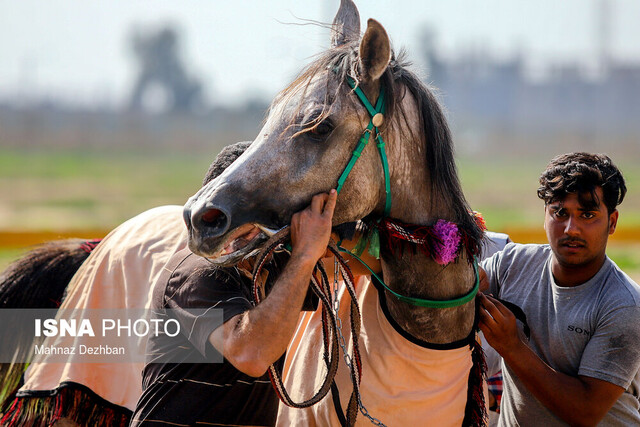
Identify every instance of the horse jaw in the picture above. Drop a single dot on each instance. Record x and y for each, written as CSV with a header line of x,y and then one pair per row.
x,y
238,244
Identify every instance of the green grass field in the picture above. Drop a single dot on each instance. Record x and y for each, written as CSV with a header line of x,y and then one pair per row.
x,y
76,190
60,189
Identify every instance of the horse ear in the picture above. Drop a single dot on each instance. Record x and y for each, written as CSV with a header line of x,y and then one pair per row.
x,y
346,24
375,51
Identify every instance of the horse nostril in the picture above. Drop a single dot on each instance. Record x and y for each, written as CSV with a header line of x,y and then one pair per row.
x,y
214,218
210,221
186,216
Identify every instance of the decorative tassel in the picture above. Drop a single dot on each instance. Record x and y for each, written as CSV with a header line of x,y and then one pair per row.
x,y
443,240
479,219
374,243
448,242
362,243
72,401
475,412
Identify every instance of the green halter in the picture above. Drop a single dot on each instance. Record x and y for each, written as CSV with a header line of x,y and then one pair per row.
x,y
377,118
422,302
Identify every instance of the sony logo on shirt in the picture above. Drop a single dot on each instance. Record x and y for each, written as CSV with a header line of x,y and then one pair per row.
x,y
578,330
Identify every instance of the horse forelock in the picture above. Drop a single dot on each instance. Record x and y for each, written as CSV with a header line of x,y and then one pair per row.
x,y
339,62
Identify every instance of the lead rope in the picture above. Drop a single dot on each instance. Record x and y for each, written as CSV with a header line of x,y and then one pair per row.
x,y
329,327
343,344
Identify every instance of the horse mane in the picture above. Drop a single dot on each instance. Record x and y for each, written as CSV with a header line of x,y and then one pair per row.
x,y
440,153
342,61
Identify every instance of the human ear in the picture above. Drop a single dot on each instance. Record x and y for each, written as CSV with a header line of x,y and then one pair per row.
x,y
613,221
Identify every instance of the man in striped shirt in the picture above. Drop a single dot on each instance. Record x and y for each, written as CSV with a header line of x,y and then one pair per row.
x,y
185,380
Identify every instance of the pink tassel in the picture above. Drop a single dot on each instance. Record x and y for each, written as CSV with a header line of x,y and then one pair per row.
x,y
449,242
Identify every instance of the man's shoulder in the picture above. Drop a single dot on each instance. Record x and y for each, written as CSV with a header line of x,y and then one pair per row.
x,y
188,278
528,248
181,265
513,269
185,261
620,286
493,242
520,255
194,272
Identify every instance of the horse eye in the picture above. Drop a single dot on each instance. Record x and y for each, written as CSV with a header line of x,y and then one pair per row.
x,y
321,131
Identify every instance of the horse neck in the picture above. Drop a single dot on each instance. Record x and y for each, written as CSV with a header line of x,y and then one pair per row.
x,y
418,275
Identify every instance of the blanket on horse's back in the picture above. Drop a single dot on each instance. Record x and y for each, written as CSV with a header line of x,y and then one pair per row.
x,y
118,274
403,383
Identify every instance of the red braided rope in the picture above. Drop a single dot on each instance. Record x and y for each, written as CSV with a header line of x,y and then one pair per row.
x,y
324,296
90,245
398,235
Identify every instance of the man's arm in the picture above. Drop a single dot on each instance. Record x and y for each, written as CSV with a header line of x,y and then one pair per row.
x,y
577,400
255,339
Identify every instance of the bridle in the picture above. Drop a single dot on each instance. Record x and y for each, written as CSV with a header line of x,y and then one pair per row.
x,y
320,284
376,119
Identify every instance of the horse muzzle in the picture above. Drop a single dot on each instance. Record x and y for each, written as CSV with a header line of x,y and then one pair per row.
x,y
212,235
207,225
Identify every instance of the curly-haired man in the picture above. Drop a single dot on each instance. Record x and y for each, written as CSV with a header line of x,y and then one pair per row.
x,y
581,363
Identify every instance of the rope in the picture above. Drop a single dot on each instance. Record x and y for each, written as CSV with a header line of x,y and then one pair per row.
x,y
329,330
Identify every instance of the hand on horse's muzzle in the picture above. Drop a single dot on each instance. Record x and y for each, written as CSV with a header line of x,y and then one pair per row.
x,y
311,227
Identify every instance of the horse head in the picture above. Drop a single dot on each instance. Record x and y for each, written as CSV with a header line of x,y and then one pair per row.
x,y
309,134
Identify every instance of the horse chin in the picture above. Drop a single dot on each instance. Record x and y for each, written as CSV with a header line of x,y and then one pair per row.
x,y
233,258
242,242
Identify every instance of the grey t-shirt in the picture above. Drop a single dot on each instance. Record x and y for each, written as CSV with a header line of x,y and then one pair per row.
x,y
591,330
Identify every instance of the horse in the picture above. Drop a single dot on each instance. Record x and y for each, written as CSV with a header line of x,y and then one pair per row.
x,y
117,271
308,137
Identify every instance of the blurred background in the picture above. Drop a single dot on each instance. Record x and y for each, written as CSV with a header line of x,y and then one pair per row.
x,y
110,108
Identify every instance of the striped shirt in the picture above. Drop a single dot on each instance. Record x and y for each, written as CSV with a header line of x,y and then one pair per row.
x,y
206,390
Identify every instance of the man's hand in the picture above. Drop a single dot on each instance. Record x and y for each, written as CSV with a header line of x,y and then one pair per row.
x,y
311,228
498,324
578,400
255,339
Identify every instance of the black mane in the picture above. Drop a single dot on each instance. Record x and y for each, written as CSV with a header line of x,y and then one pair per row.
x,y
445,184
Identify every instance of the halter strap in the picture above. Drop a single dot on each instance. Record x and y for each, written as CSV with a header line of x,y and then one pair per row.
x,y
420,302
376,112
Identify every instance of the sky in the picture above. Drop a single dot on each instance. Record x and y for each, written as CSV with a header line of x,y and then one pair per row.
x,y
76,50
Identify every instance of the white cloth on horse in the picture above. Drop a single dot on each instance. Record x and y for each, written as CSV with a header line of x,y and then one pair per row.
x,y
119,273
402,383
